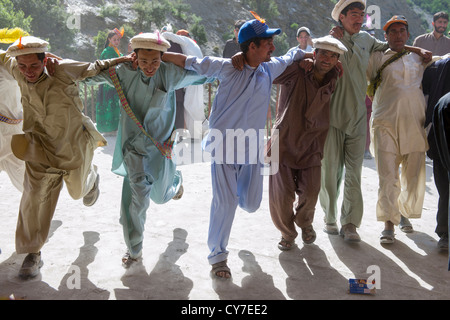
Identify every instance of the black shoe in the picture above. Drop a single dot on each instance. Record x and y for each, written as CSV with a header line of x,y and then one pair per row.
x,y
443,243
31,265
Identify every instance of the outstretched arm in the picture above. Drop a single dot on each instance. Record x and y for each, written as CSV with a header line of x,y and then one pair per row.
x,y
177,59
425,54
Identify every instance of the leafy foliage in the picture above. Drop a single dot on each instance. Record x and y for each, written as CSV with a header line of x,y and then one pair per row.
x,y
10,18
48,20
433,6
266,9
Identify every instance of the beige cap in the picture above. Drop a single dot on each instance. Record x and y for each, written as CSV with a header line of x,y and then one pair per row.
x,y
341,5
27,45
306,29
329,43
153,41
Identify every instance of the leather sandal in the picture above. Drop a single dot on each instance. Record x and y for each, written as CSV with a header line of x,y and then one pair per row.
x,y
221,267
285,245
308,235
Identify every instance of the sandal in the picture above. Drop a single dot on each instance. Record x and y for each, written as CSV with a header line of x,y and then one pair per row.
x,y
285,245
308,235
221,267
405,225
387,237
179,194
127,260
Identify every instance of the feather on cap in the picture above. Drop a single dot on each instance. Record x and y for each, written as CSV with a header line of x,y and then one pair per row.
x,y
27,45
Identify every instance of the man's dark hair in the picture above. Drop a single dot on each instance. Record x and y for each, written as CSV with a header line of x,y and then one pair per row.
x,y
245,45
407,27
351,6
440,15
41,56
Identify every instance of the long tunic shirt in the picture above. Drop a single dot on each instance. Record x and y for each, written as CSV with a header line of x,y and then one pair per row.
x,y
348,109
241,104
304,116
428,41
54,122
152,100
399,104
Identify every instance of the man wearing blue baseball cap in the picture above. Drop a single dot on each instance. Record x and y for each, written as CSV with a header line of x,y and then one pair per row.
x,y
239,109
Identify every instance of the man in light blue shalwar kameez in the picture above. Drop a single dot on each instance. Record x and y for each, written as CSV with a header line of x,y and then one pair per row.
x,y
239,109
148,174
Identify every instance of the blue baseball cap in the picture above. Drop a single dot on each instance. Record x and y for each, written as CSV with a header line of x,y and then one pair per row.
x,y
256,29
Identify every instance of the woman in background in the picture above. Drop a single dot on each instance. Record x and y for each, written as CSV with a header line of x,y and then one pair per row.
x,y
108,103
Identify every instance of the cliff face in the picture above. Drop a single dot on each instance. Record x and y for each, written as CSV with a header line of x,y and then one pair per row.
x,y
218,17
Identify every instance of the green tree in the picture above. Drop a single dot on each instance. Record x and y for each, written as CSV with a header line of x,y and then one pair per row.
x,y
11,18
151,14
49,21
180,9
433,6
266,9
281,44
198,31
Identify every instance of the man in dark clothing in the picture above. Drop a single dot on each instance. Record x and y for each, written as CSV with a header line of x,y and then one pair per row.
x,y
441,126
436,83
232,46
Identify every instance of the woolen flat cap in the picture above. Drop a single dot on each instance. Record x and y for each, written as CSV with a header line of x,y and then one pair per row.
x,y
306,29
151,41
27,45
331,44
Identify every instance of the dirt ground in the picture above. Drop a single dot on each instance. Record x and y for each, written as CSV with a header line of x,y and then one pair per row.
x,y
82,257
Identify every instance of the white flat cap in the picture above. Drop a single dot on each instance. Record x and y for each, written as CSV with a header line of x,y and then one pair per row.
x,y
27,45
341,5
306,29
153,41
329,43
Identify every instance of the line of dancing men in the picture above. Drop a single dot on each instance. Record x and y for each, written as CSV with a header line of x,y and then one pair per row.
x,y
320,130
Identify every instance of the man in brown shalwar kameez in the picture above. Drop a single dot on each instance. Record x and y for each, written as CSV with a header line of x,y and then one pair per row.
x,y
302,124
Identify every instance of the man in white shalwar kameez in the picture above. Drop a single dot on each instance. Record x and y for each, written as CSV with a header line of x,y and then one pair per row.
x,y
10,124
397,128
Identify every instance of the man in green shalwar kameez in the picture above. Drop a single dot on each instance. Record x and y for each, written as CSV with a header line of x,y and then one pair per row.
x,y
148,174
345,145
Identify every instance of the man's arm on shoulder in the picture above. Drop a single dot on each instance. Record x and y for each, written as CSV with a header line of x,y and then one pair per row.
x,y
79,71
426,55
177,59
210,67
277,65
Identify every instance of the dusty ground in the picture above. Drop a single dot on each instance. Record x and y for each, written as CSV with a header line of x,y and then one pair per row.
x,y
82,258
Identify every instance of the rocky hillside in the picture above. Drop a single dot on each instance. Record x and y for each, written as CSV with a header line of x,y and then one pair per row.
x,y
218,17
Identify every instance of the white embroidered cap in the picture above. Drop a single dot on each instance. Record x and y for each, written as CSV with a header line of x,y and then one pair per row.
x,y
153,41
27,45
329,43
